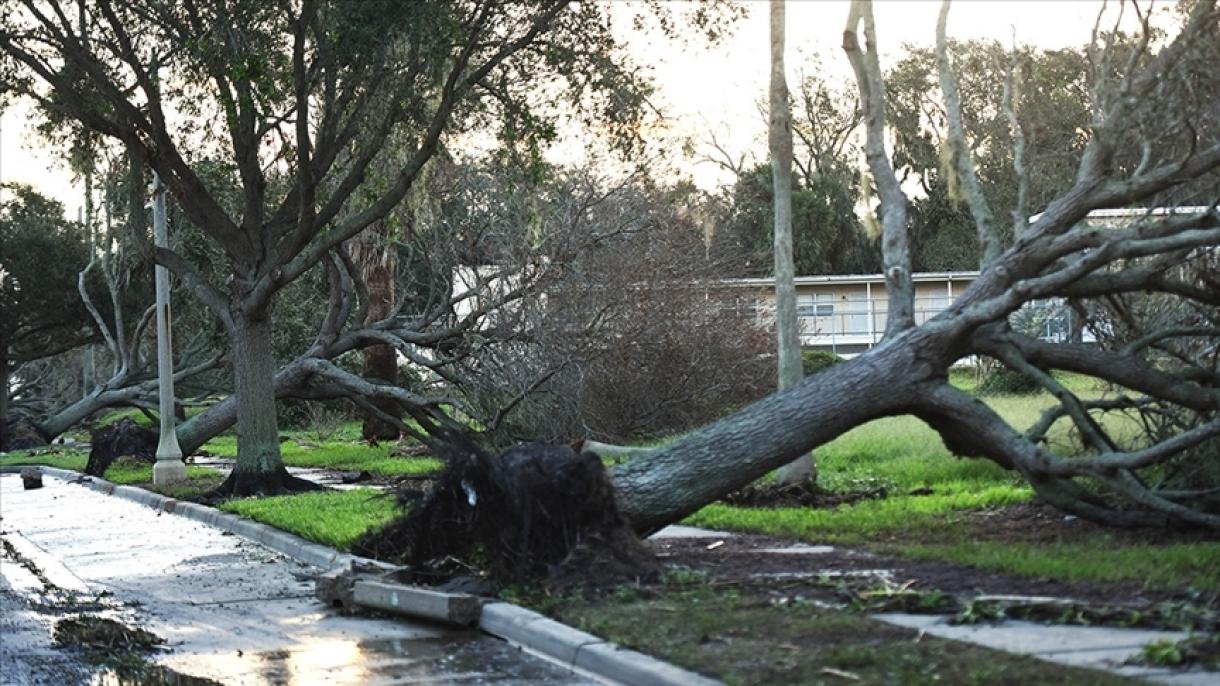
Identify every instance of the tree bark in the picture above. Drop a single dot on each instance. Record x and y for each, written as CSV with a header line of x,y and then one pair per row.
x,y
665,485
258,443
223,415
380,361
4,384
787,326
259,469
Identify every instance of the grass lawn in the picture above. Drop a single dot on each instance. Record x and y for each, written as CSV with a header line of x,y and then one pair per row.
x,y
342,452
333,518
124,471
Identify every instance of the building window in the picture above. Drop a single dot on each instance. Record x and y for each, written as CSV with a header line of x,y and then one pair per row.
x,y
815,305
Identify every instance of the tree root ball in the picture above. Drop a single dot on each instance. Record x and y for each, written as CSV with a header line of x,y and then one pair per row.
x,y
536,512
121,439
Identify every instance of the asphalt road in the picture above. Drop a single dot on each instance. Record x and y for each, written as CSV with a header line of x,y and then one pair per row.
x,y
230,610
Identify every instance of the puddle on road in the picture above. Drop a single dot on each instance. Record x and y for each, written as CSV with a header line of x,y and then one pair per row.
x,y
150,675
472,658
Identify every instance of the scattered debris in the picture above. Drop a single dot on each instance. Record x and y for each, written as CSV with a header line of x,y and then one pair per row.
x,y
355,477
1202,650
1163,615
831,671
798,495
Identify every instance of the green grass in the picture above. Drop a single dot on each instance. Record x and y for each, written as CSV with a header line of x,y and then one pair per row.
x,y
74,460
332,518
339,452
123,472
859,523
1182,565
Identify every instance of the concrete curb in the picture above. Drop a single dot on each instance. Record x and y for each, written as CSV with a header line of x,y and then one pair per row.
x,y
569,647
580,651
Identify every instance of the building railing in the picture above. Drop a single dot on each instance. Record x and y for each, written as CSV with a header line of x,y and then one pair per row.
x,y
859,324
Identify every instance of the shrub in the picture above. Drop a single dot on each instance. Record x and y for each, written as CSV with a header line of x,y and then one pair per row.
x,y
814,361
1005,381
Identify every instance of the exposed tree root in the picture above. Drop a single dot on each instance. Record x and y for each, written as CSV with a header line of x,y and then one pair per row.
x,y
17,432
536,512
123,438
242,484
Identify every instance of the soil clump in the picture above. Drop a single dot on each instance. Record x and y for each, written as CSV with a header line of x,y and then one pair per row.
x,y
123,438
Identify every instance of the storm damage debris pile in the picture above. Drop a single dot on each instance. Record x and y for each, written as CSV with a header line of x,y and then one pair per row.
x,y
537,512
123,438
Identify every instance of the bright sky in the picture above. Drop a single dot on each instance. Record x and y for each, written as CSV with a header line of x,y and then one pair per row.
x,y
719,90
715,90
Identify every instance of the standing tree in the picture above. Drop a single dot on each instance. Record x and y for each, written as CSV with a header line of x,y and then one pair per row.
x,y
41,253
298,99
787,326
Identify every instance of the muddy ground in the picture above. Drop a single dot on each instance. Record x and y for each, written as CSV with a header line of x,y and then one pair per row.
x,y
750,561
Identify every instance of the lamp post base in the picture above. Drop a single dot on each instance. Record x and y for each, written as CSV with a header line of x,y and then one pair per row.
x,y
168,471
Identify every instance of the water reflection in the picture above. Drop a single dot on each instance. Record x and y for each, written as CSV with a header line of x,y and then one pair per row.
x,y
149,675
463,658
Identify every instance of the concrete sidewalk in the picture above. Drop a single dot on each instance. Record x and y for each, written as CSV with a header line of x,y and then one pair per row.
x,y
230,609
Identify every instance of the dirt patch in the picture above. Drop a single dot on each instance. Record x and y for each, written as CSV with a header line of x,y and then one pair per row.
x,y
744,561
797,495
1037,523
743,637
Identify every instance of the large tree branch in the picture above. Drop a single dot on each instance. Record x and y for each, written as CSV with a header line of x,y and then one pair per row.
x,y
1127,371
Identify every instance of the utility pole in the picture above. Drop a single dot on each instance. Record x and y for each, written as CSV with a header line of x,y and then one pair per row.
x,y
169,467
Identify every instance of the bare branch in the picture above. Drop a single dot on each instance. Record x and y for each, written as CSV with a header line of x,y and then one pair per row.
x,y
989,236
896,252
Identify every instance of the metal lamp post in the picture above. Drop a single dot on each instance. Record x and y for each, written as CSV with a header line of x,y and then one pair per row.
x,y
169,467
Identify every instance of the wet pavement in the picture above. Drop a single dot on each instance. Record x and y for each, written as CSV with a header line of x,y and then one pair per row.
x,y
230,610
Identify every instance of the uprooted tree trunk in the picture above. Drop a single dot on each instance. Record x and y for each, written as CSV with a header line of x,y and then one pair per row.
x,y
1060,254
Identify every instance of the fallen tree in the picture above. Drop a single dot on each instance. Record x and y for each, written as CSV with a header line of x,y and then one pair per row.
x,y
1142,102
1164,366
